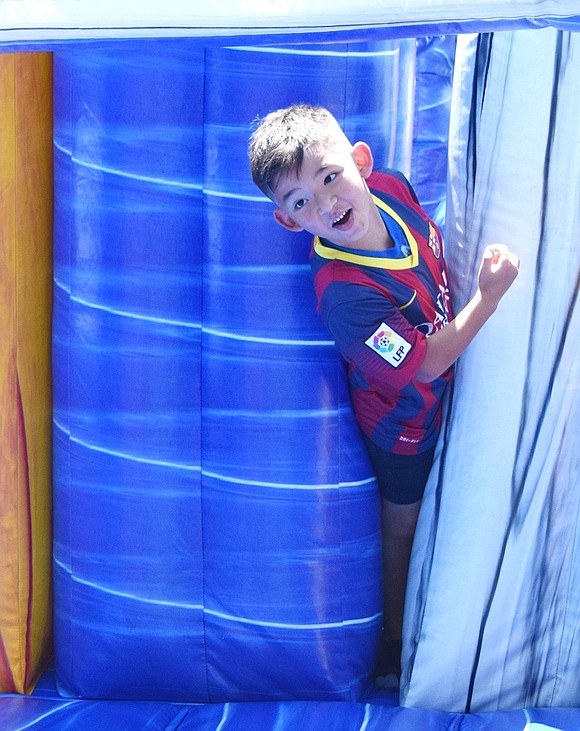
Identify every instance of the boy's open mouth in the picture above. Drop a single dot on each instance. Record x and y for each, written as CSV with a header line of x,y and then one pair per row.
x,y
342,219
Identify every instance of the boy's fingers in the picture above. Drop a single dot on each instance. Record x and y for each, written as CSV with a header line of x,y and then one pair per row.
x,y
515,260
498,253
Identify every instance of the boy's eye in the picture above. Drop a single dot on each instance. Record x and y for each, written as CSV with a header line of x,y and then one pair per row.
x,y
299,204
329,178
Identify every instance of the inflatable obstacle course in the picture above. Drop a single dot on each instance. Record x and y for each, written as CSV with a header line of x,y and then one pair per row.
x,y
215,537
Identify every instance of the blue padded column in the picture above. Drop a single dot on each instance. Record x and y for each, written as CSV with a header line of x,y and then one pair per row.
x,y
187,343
128,229
433,87
291,513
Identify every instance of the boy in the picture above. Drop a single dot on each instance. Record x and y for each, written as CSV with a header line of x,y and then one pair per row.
x,y
381,284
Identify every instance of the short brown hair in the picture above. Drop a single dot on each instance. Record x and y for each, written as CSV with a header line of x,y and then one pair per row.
x,y
279,142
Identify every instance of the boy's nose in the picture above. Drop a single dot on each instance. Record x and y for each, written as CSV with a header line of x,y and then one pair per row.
x,y
325,203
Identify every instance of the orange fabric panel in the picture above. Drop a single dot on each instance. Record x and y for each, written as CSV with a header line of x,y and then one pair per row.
x,y
25,388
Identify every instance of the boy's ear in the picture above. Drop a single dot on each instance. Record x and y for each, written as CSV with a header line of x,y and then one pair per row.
x,y
286,221
363,158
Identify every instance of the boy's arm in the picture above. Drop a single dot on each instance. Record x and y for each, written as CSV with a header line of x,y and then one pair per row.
x,y
498,270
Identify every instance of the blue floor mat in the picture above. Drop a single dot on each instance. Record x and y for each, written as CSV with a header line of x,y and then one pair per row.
x,y
46,710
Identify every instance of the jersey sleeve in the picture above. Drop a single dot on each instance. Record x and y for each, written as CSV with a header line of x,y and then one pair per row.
x,y
399,185
374,337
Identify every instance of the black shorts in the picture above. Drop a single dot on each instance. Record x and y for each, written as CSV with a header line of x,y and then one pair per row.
x,y
401,477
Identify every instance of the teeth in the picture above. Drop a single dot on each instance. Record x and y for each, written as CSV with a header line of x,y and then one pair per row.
x,y
339,219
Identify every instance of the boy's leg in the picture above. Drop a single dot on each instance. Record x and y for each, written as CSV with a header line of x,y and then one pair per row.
x,y
398,527
401,480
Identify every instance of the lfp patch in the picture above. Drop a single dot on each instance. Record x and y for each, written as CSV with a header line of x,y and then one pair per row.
x,y
391,346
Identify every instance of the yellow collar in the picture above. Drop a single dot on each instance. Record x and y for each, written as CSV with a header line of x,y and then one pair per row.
x,y
407,262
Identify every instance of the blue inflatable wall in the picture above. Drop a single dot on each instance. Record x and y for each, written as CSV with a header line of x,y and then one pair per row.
x,y
216,521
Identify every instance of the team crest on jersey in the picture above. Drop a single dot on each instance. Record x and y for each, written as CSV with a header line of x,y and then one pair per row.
x,y
391,346
434,244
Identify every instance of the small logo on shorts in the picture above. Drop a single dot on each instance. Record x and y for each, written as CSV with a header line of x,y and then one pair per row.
x,y
391,346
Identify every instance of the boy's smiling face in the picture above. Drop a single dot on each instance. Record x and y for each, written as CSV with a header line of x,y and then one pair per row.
x,y
329,198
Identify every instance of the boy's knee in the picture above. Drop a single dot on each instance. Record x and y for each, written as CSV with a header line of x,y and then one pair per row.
x,y
400,521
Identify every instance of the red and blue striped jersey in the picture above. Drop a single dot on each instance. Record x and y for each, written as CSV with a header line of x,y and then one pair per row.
x,y
380,308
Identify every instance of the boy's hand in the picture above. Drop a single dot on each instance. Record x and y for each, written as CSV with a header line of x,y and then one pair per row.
x,y
498,270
